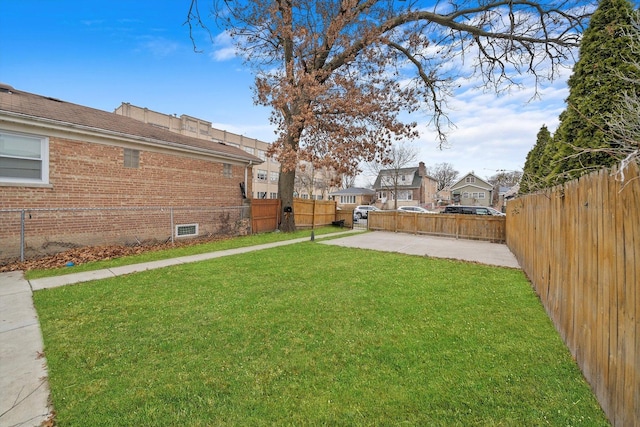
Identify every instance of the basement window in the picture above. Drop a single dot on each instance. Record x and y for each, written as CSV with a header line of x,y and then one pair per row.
x,y
186,230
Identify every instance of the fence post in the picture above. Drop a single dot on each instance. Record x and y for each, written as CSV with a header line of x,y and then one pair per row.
x,y
22,235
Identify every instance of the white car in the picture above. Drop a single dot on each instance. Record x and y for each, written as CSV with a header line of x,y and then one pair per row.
x,y
363,211
496,212
414,209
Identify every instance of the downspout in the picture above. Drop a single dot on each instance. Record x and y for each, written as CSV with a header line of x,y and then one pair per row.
x,y
246,187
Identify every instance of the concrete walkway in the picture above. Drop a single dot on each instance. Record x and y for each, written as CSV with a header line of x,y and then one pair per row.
x,y
24,390
497,254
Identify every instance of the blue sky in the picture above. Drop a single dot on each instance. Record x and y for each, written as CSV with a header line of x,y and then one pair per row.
x,y
102,53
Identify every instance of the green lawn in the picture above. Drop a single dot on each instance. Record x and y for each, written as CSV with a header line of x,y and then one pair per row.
x,y
310,334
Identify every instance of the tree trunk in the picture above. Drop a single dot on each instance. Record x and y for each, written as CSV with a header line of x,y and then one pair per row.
x,y
285,191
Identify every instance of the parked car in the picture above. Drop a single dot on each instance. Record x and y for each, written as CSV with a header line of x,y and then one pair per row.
x,y
496,212
472,210
363,211
414,209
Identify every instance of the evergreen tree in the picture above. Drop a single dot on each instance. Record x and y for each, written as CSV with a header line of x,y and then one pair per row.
x,y
581,142
536,168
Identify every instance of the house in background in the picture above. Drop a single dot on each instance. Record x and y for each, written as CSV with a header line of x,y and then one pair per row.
x,y
349,198
406,186
472,190
82,176
444,196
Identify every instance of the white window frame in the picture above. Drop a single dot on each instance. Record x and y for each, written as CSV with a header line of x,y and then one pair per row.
x,y
273,176
347,200
44,159
261,175
186,226
405,195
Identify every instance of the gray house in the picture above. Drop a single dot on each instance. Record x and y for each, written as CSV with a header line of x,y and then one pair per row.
x,y
472,190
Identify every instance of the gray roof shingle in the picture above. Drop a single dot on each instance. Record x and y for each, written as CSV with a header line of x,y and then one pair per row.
x,y
31,106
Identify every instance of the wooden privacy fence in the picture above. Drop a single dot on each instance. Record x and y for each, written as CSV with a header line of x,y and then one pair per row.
x,y
479,227
313,213
580,246
265,214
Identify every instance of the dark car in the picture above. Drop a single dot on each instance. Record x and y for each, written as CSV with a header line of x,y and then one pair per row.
x,y
471,210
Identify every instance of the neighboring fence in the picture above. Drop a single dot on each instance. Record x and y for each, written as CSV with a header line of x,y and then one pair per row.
x,y
478,227
347,217
32,233
580,246
265,213
313,213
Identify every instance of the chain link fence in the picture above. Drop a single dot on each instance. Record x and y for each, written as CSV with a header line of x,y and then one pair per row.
x,y
33,233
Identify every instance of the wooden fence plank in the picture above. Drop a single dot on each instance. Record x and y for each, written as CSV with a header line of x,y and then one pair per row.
x,y
629,321
478,227
580,245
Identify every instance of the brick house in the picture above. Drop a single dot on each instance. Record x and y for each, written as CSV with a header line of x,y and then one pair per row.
x,y
409,186
59,159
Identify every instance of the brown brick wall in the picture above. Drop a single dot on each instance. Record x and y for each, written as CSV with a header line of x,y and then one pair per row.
x,y
85,174
88,180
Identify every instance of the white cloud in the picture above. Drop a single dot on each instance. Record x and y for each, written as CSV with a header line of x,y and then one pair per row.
x,y
158,46
224,48
494,132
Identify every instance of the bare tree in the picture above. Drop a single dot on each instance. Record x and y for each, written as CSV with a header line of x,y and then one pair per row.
x,y
314,181
503,178
347,180
391,169
624,122
444,173
339,73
